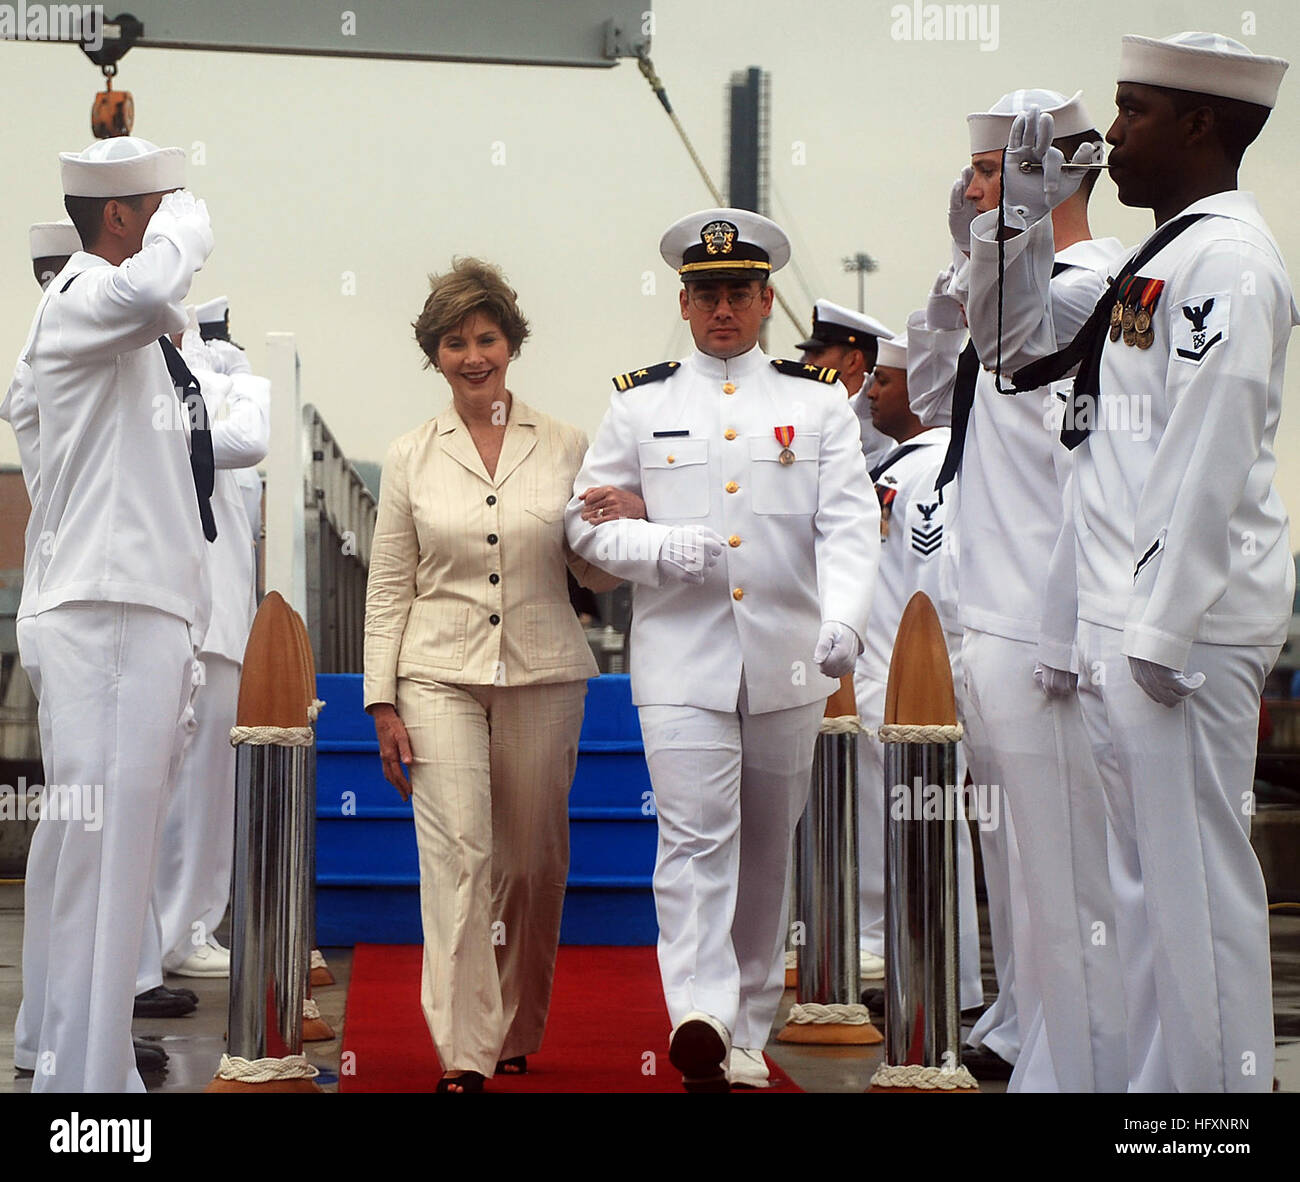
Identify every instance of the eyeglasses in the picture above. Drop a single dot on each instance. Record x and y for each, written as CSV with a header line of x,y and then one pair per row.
x,y
707,300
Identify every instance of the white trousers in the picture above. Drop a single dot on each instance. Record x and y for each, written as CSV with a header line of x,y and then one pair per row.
x,y
192,883
870,695
1067,964
1191,904
116,685
729,789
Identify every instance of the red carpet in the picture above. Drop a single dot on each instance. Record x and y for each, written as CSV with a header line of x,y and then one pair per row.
x,y
608,1029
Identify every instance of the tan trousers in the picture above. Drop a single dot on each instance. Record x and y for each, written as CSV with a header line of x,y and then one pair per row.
x,y
490,778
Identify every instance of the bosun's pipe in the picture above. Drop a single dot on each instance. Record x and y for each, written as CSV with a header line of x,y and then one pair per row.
x,y
922,1018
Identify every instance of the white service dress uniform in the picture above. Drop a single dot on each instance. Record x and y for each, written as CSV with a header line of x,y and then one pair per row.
x,y
1179,547
722,672
913,527
121,591
122,601
192,884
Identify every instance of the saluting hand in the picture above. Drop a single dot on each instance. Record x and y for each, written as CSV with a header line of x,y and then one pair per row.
x,y
394,748
961,210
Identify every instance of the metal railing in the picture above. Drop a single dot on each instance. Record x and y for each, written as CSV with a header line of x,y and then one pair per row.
x,y
339,527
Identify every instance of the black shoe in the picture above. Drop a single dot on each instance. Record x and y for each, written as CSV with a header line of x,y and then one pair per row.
x,y
874,1000
148,1058
985,1064
161,1002
194,997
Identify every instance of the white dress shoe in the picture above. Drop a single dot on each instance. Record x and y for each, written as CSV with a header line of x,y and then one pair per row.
x,y
870,966
699,1048
748,1069
207,960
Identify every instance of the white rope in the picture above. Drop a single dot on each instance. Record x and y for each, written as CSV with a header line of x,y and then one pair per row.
x,y
317,960
835,1014
265,1070
309,1008
272,736
901,732
791,959
846,724
313,711
913,1075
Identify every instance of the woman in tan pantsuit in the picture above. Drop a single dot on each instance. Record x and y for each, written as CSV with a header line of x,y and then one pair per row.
x,y
476,670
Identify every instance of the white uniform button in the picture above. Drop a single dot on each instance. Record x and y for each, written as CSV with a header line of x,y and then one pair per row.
x,y
734,540
729,433
728,387
732,486
738,593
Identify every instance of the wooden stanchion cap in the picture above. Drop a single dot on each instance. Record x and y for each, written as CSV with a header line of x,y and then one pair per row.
x,y
842,703
275,688
919,691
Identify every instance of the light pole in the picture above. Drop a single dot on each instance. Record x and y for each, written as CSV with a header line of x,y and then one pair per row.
x,y
862,263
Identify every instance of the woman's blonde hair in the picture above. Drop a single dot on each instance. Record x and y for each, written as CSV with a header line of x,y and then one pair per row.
x,y
471,286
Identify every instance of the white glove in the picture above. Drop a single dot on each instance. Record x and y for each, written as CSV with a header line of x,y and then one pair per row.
x,y
183,218
1032,195
961,210
1055,683
1162,684
688,552
837,648
942,312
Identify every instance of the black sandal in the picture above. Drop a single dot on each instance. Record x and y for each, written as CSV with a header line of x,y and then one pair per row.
x,y
516,1066
468,1081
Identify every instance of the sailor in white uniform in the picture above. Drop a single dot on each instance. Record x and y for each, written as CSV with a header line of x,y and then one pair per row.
x,y
913,524
754,572
845,341
192,885
1176,541
121,595
1067,987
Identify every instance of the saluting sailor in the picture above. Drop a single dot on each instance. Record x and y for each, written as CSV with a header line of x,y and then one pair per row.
x,y
846,341
122,599
1064,971
754,570
914,524
1176,542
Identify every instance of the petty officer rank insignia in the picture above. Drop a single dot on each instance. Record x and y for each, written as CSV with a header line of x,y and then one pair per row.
x,y
1199,325
927,535
1131,316
642,377
814,373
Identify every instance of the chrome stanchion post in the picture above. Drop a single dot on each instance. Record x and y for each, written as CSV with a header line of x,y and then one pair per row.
x,y
920,733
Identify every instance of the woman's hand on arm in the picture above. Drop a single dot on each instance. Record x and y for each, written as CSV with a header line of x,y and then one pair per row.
x,y
394,747
606,503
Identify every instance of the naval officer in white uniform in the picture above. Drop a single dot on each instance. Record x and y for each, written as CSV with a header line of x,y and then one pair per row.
x,y
753,572
1176,542
122,598
846,341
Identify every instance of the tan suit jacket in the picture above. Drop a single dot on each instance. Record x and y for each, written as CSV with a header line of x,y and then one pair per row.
x,y
467,581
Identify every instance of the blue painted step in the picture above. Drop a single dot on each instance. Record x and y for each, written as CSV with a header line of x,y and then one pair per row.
x,y
367,874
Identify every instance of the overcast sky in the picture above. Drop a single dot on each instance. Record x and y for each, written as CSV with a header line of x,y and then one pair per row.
x,y
336,186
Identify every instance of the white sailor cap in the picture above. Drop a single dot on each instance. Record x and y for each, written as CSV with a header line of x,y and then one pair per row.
x,y
213,312
725,244
124,166
833,324
989,130
54,240
892,353
1205,63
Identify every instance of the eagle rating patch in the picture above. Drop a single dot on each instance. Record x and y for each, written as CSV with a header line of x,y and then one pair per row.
x,y
927,535
1200,325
